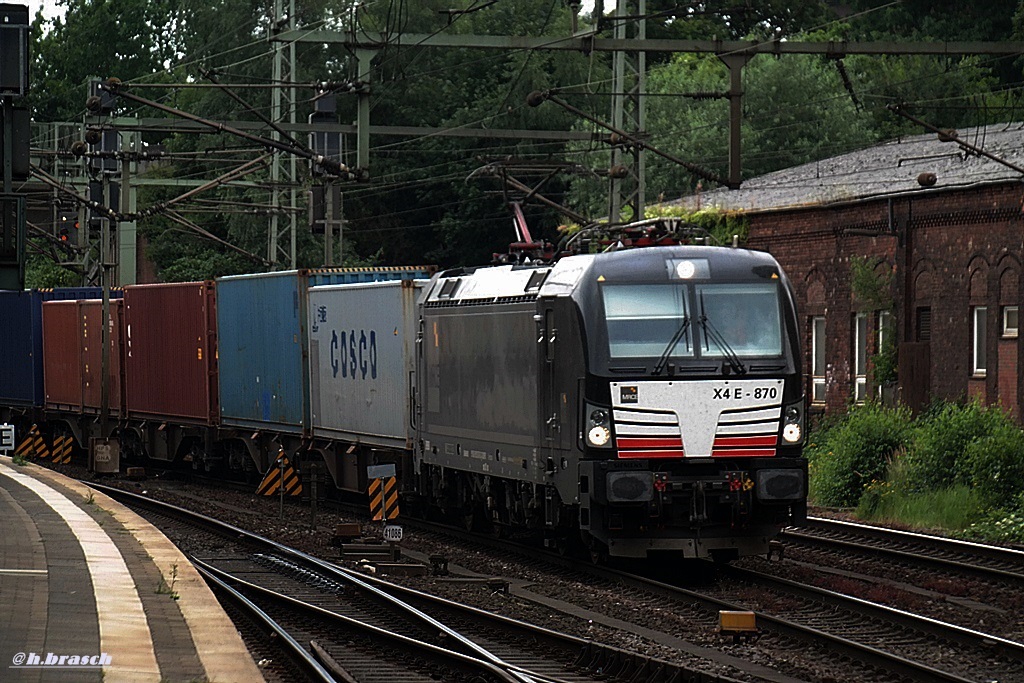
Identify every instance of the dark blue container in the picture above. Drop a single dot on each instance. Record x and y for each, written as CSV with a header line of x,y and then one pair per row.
x,y
21,340
264,378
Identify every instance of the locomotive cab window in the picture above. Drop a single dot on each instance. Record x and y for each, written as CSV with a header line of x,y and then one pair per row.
x,y
643,319
741,318
654,321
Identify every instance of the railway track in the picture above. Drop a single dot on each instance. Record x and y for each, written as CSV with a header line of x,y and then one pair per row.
x,y
935,552
975,586
802,639
877,642
915,646
360,629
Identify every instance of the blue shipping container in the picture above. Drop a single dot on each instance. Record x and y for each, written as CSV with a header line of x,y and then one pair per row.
x,y
261,322
21,340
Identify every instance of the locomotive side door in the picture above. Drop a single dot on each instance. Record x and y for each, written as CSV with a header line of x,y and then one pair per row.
x,y
560,347
547,339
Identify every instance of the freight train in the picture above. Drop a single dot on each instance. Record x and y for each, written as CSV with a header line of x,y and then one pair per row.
x,y
632,403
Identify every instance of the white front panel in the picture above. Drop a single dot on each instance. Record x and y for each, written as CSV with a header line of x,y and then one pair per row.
x,y
720,418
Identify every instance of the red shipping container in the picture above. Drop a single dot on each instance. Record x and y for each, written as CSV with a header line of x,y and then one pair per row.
x,y
91,318
171,352
62,356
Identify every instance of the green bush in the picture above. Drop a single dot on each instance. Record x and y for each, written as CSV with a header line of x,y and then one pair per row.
x,y
855,452
937,457
996,463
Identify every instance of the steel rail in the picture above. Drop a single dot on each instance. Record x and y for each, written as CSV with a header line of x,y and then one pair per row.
x,y
309,560
592,656
369,629
923,545
934,627
286,642
860,652
994,552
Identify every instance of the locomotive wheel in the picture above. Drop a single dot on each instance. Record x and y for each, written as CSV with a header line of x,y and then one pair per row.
x,y
598,552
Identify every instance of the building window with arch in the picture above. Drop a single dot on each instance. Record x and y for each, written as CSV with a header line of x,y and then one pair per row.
x,y
818,359
860,357
979,324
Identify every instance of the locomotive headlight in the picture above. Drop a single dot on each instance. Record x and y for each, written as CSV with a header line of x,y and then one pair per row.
x,y
793,430
791,433
599,436
685,270
688,268
598,427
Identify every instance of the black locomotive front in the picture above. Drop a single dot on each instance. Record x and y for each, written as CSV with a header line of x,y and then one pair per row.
x,y
691,420
614,397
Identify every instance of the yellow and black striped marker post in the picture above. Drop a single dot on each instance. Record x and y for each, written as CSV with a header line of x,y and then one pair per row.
x,y
281,471
62,450
33,445
383,492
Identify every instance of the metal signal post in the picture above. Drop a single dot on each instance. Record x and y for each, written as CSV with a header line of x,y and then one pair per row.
x,y
14,25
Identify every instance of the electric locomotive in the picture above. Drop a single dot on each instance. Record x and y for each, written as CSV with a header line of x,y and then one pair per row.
x,y
641,401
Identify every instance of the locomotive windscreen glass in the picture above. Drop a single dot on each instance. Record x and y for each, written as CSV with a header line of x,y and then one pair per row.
x,y
743,316
643,319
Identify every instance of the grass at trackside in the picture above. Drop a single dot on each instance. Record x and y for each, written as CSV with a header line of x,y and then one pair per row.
x,y
952,510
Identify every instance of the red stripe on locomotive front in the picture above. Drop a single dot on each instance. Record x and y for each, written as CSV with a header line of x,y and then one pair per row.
x,y
649,442
743,452
748,441
651,454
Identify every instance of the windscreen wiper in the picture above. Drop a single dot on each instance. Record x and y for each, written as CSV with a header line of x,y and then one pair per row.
x,y
672,343
712,333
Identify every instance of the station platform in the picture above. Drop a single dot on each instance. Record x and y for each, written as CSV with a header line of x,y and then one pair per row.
x,y
90,591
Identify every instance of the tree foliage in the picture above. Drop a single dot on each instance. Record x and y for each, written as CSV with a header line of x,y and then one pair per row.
x,y
95,38
440,199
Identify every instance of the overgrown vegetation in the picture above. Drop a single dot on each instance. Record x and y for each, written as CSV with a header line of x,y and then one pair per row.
x,y
167,588
871,282
719,224
958,466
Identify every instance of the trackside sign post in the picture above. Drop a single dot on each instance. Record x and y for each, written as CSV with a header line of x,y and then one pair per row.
x,y
383,493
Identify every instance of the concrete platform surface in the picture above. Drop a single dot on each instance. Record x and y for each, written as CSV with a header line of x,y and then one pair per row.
x,y
90,591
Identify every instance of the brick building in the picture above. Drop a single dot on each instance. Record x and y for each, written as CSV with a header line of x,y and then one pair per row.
x,y
913,249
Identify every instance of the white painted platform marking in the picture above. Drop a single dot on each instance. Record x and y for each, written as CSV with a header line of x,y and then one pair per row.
x,y
124,631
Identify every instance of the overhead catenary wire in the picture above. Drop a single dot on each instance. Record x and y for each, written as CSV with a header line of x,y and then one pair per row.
x,y
411,141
